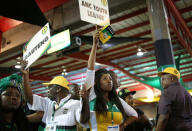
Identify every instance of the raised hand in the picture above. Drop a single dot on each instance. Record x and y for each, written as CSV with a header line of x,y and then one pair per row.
x,y
96,35
83,93
23,65
27,89
85,112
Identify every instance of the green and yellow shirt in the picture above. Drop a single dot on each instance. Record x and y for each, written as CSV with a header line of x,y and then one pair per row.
x,y
100,122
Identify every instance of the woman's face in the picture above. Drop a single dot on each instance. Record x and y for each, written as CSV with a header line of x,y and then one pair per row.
x,y
10,99
116,80
106,82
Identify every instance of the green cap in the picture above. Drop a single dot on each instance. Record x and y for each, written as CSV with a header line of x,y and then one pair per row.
x,y
125,92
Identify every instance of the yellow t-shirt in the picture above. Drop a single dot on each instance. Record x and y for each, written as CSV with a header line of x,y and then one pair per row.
x,y
100,122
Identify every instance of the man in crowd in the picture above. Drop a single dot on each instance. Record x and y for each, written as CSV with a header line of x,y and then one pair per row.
x,y
74,91
142,123
175,105
60,111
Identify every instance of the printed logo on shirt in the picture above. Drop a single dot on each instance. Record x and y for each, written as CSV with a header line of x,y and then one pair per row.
x,y
65,111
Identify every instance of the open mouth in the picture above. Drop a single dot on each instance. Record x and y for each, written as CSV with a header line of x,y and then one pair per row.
x,y
13,103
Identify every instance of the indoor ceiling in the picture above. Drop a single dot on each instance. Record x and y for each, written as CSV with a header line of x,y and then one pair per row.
x,y
129,19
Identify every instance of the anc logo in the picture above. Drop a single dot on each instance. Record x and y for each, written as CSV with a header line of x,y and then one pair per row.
x,y
44,30
120,93
176,72
104,2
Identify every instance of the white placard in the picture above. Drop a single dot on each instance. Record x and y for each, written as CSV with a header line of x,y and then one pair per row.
x,y
37,46
94,11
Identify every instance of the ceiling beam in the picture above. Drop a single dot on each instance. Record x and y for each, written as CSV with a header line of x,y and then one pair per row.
x,y
136,69
83,57
44,78
126,46
55,69
178,16
182,41
7,23
0,40
49,62
46,5
39,77
136,35
138,60
102,61
127,53
10,58
138,25
147,61
187,79
155,73
153,70
80,66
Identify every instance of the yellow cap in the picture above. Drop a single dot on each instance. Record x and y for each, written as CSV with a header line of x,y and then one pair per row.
x,y
170,70
58,80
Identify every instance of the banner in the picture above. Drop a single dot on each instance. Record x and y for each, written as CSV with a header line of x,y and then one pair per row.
x,y
60,41
94,11
37,46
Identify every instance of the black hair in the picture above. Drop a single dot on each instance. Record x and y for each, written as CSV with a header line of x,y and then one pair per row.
x,y
112,73
114,78
101,104
19,118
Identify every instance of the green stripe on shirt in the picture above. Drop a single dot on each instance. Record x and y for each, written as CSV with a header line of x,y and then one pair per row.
x,y
109,104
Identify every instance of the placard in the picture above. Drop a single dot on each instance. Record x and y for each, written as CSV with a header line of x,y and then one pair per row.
x,y
94,11
37,46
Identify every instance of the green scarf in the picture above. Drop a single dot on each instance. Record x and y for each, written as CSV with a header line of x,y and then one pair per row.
x,y
13,80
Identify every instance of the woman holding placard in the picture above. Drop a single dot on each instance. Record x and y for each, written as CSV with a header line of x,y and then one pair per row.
x,y
107,110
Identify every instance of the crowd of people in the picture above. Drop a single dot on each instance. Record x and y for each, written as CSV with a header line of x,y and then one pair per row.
x,y
95,106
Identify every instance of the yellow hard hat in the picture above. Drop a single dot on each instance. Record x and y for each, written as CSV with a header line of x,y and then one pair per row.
x,y
58,80
170,70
